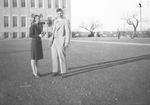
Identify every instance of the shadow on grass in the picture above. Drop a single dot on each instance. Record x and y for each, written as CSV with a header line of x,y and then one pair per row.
x,y
45,74
97,66
19,51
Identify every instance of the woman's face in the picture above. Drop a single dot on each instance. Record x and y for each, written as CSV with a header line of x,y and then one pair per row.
x,y
37,19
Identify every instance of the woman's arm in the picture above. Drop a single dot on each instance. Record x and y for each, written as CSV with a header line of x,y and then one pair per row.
x,y
32,32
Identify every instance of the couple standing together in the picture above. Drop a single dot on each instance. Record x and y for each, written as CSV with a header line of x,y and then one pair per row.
x,y
58,42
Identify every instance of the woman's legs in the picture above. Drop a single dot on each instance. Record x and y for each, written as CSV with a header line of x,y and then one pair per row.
x,y
33,67
34,64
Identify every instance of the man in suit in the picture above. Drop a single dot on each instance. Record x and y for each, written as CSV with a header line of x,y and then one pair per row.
x,y
59,41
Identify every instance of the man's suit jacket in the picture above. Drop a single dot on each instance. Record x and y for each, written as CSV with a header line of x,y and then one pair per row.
x,y
61,32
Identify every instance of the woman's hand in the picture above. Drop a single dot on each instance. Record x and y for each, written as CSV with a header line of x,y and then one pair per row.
x,y
43,33
40,35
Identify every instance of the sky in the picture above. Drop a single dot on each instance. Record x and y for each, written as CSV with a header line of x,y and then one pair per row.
x,y
108,13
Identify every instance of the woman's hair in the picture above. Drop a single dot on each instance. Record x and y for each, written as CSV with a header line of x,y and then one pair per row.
x,y
35,17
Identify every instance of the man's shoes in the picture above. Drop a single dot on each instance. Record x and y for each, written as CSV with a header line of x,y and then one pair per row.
x,y
55,73
58,74
62,75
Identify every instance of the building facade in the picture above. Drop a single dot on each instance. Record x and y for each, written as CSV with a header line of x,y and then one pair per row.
x,y
15,15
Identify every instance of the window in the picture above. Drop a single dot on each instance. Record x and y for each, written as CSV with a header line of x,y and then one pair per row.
x,y
32,3
23,21
40,3
6,21
64,3
6,34
49,21
14,3
49,34
49,2
23,34
56,3
14,21
14,34
5,3
23,3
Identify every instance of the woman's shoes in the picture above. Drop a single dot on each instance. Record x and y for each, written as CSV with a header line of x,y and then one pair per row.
x,y
36,75
52,74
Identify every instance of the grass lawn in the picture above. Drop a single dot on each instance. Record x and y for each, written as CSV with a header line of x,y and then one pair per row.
x,y
98,74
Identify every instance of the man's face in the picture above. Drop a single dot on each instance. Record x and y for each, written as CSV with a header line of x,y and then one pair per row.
x,y
60,14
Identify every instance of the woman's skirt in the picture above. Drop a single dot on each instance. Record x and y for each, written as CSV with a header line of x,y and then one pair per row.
x,y
36,49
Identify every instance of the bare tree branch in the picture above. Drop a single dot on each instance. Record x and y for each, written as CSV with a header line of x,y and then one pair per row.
x,y
133,21
91,27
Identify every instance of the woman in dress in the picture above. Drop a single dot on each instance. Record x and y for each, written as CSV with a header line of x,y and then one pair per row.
x,y
36,32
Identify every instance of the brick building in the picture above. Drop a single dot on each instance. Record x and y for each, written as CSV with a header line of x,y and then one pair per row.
x,y
15,15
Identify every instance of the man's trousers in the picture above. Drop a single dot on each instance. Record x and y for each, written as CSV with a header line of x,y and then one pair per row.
x,y
58,58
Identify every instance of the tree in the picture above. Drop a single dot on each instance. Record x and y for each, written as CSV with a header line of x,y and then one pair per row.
x,y
91,27
133,21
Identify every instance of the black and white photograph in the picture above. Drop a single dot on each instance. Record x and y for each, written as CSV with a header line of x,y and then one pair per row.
x,y
74,52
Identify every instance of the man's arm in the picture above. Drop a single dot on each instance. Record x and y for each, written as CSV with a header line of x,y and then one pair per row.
x,y
52,37
68,32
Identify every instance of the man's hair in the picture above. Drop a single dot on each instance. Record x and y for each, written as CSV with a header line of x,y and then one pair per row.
x,y
59,9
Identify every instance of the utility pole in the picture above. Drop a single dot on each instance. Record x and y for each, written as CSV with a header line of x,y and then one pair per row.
x,y
140,5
